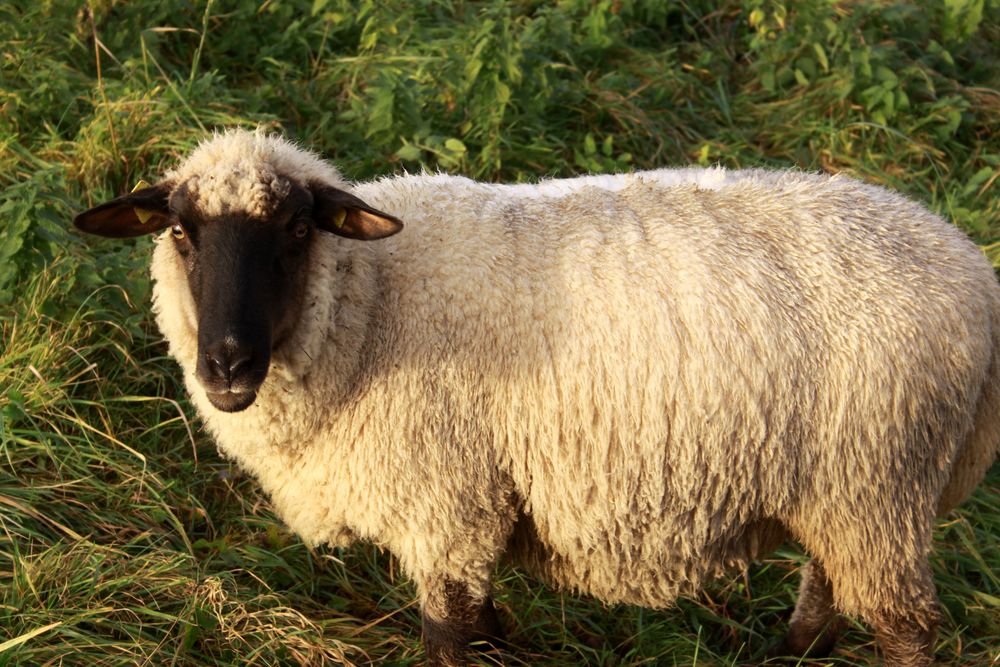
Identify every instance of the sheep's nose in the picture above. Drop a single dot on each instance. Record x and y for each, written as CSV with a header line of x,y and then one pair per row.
x,y
228,360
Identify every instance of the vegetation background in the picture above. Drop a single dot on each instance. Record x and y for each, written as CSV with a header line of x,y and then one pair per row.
x,y
125,539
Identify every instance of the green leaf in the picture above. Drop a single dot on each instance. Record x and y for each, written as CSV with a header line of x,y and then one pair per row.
x,y
986,598
409,152
889,103
472,68
454,145
703,154
832,30
886,76
821,56
977,180
502,92
936,49
954,120
369,36
871,96
808,67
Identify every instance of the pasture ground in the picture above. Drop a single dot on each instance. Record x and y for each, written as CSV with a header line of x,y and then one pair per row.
x,y
125,539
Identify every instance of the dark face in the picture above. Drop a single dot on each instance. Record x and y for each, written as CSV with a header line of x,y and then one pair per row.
x,y
247,276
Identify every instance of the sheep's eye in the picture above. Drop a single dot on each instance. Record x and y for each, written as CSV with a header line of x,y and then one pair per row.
x,y
300,230
178,232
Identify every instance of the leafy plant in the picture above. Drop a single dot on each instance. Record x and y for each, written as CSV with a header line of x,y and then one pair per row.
x,y
124,539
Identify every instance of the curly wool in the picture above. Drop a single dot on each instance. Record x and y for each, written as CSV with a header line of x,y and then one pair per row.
x,y
627,383
241,172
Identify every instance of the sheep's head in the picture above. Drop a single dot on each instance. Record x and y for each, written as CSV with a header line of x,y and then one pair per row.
x,y
246,271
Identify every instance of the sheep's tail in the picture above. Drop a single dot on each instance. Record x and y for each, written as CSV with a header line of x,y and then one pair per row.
x,y
983,443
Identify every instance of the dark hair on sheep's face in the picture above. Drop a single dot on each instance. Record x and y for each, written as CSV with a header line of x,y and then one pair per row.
x,y
246,275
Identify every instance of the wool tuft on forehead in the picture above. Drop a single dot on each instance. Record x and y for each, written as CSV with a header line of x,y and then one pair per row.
x,y
250,172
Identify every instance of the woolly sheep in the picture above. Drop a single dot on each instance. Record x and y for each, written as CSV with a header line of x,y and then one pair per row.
x,y
625,384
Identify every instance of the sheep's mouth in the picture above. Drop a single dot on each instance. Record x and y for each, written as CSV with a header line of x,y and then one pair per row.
x,y
232,401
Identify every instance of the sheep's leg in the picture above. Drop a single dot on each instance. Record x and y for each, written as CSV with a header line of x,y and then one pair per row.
x,y
488,627
906,618
906,632
898,602
907,641
453,618
460,546
872,538
815,624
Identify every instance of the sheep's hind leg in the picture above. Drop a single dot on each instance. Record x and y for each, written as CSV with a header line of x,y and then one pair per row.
x,y
899,602
907,641
453,618
488,627
906,633
815,624
906,615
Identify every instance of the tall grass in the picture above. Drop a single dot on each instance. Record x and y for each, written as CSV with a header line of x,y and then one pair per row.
x,y
125,539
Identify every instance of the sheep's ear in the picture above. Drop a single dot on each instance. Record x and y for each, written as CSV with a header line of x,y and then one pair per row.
x,y
343,214
140,212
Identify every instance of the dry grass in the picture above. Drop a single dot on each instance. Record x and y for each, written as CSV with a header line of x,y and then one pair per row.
x,y
125,540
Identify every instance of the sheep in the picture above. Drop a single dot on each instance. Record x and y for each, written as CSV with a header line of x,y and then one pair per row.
x,y
627,384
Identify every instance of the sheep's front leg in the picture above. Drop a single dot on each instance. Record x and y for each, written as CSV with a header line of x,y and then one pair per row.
x,y
815,625
453,618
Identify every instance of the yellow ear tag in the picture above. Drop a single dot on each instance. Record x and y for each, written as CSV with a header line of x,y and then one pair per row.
x,y
143,214
339,217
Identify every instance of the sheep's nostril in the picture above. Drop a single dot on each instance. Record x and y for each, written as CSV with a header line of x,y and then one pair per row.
x,y
239,364
228,363
218,366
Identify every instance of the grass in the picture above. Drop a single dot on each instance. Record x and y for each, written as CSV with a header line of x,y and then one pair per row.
x,y
125,539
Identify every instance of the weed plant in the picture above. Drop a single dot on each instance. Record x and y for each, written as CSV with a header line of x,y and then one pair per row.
x,y
125,539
